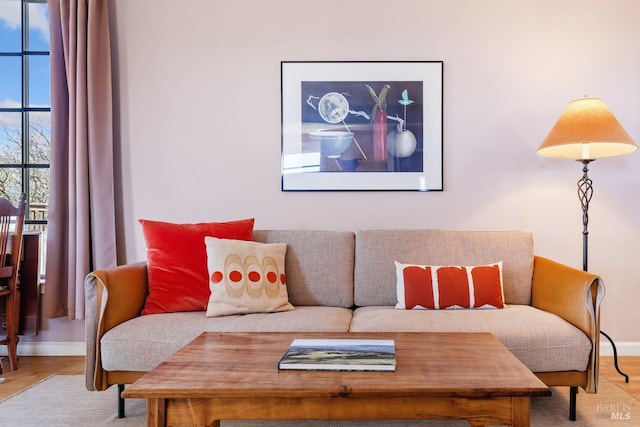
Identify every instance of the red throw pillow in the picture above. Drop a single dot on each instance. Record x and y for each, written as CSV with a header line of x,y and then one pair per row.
x,y
178,278
436,287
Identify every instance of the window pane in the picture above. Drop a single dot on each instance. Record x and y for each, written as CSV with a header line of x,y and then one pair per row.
x,y
10,138
10,83
38,193
39,138
10,25
38,19
11,184
39,90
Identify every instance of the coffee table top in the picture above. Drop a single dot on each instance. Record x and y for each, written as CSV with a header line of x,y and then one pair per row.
x,y
427,364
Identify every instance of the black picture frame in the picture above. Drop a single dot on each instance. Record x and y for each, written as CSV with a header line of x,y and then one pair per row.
x,y
362,125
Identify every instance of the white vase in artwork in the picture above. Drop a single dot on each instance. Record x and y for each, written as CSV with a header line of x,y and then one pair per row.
x,y
401,142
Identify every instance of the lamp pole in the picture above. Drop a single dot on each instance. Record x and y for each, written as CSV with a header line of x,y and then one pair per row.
x,y
585,191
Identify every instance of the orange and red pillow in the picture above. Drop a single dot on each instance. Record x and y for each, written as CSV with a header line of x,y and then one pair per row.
x,y
246,277
178,277
447,287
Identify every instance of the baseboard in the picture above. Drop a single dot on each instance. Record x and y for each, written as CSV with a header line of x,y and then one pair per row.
x,y
628,348
63,348
623,348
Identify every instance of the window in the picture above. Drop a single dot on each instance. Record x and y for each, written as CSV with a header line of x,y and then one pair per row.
x,y
25,107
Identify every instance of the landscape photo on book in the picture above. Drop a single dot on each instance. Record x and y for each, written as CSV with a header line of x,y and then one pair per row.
x,y
340,354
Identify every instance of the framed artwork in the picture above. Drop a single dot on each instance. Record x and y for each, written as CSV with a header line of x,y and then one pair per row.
x,y
358,126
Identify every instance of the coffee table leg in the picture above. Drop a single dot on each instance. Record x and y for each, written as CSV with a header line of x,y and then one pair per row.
x,y
156,413
521,411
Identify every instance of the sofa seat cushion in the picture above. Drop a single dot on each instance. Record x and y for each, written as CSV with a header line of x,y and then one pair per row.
x,y
142,343
543,341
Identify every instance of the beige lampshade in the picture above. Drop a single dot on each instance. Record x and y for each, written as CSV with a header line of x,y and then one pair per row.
x,y
587,130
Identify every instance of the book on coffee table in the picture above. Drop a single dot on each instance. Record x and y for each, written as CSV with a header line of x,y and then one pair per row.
x,y
340,355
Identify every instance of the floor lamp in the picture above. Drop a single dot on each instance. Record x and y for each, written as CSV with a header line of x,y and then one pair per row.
x,y
585,131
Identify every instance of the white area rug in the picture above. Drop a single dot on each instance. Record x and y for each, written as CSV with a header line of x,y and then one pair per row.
x,y
62,400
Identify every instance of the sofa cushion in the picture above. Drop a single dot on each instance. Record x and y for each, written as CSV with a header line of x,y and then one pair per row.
x,y
376,251
142,343
319,265
177,262
246,277
449,287
543,341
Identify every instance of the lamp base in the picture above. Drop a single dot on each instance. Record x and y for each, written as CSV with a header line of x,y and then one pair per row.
x,y
615,357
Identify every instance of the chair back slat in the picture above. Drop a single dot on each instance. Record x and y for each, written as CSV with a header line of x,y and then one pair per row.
x,y
11,215
11,226
5,222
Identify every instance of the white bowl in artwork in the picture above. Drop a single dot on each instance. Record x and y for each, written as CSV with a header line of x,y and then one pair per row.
x,y
333,143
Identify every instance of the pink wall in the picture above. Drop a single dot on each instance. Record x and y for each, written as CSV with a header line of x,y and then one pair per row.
x,y
198,90
198,114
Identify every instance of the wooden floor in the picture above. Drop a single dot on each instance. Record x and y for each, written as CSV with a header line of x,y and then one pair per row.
x,y
34,369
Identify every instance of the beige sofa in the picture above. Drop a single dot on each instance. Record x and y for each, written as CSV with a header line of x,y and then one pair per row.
x,y
344,281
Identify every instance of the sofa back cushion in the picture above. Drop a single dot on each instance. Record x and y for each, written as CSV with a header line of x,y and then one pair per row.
x,y
376,251
318,265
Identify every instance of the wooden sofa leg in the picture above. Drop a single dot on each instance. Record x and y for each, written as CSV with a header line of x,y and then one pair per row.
x,y
573,394
120,401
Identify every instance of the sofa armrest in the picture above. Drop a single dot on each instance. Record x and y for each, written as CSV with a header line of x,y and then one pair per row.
x,y
112,296
574,295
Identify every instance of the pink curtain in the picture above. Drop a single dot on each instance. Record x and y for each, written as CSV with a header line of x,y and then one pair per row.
x,y
81,232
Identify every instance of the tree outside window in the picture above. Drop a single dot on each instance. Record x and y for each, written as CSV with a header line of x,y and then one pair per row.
x,y
25,106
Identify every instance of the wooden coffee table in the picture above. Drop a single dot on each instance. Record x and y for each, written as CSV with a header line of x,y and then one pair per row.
x,y
233,376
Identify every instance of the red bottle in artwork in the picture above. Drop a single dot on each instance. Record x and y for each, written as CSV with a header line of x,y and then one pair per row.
x,y
380,134
379,122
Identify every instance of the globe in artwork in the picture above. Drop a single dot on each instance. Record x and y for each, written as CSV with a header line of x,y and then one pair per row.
x,y
333,107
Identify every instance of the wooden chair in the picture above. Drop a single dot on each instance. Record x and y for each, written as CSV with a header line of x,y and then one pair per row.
x,y
11,225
